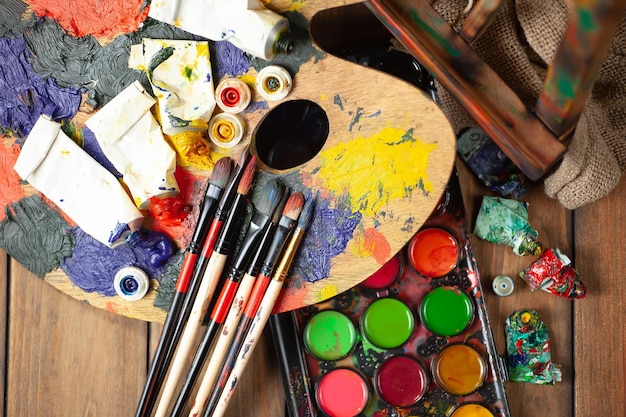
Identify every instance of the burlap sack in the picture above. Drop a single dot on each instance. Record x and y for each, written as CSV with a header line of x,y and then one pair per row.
x,y
518,46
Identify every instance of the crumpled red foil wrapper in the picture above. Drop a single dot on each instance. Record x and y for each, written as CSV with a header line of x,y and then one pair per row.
x,y
554,273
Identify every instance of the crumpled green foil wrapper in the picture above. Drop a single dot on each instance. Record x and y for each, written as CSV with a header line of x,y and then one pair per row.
x,y
528,349
505,222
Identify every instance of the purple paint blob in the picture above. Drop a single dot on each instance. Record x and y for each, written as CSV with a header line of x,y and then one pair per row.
x,y
320,245
93,265
92,147
25,95
232,60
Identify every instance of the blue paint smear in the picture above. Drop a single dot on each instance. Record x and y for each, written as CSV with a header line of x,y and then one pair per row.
x,y
232,60
25,95
327,236
92,147
93,265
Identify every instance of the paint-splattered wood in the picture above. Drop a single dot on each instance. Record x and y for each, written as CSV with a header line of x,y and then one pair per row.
x,y
4,282
553,223
66,358
599,322
81,358
385,162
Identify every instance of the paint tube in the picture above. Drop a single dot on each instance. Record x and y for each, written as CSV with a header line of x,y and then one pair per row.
x,y
125,129
89,194
247,24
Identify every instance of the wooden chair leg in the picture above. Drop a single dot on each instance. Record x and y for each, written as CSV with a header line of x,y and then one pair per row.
x,y
570,78
484,95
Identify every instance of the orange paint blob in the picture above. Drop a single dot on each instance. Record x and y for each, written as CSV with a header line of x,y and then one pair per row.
x,y
459,369
373,243
93,17
471,410
433,252
10,189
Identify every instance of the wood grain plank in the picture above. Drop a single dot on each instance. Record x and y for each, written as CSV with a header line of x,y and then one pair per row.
x,y
553,223
261,389
4,283
66,358
600,329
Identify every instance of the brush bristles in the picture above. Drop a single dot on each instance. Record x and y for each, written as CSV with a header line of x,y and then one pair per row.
x,y
306,216
243,156
248,175
278,212
293,207
221,172
269,198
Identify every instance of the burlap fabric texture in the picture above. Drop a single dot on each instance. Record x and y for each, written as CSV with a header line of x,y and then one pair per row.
x,y
519,45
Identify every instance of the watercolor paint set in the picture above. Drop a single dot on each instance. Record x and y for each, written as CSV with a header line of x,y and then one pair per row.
x,y
411,339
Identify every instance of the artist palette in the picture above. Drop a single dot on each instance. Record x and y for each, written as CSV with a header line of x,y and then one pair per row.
x,y
412,339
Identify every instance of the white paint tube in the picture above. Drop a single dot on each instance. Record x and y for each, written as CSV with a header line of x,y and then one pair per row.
x,y
132,140
247,24
82,188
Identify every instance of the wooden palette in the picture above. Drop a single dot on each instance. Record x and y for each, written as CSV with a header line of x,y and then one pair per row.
x,y
385,163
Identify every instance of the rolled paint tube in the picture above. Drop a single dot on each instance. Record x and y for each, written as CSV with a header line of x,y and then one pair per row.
x,y
89,194
247,24
125,128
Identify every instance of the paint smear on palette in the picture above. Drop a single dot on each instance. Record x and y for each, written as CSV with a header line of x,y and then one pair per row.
x,y
25,95
373,171
319,246
83,63
372,243
232,60
177,216
193,150
35,235
11,12
92,266
93,17
10,189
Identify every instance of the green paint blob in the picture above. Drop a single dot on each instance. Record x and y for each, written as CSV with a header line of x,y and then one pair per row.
x,y
329,335
387,323
446,311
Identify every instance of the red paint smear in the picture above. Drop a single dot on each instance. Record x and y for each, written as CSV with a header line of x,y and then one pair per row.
x,y
93,17
10,188
375,243
292,296
177,217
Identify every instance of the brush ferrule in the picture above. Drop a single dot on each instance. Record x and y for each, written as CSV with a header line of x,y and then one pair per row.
x,y
251,240
290,253
283,230
207,210
231,225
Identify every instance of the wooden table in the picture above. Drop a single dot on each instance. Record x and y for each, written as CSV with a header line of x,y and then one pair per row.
x,y
66,358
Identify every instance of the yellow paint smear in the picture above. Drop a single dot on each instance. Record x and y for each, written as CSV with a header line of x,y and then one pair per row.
x,y
328,291
373,171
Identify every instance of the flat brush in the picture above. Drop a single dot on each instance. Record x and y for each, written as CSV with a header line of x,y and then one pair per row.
x,y
217,183
231,372
245,303
253,243
207,286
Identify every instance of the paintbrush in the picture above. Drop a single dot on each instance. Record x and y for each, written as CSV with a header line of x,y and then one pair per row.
x,y
254,244
208,283
231,372
212,195
247,300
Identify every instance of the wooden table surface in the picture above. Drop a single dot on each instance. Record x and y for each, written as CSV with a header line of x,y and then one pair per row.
x,y
61,357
